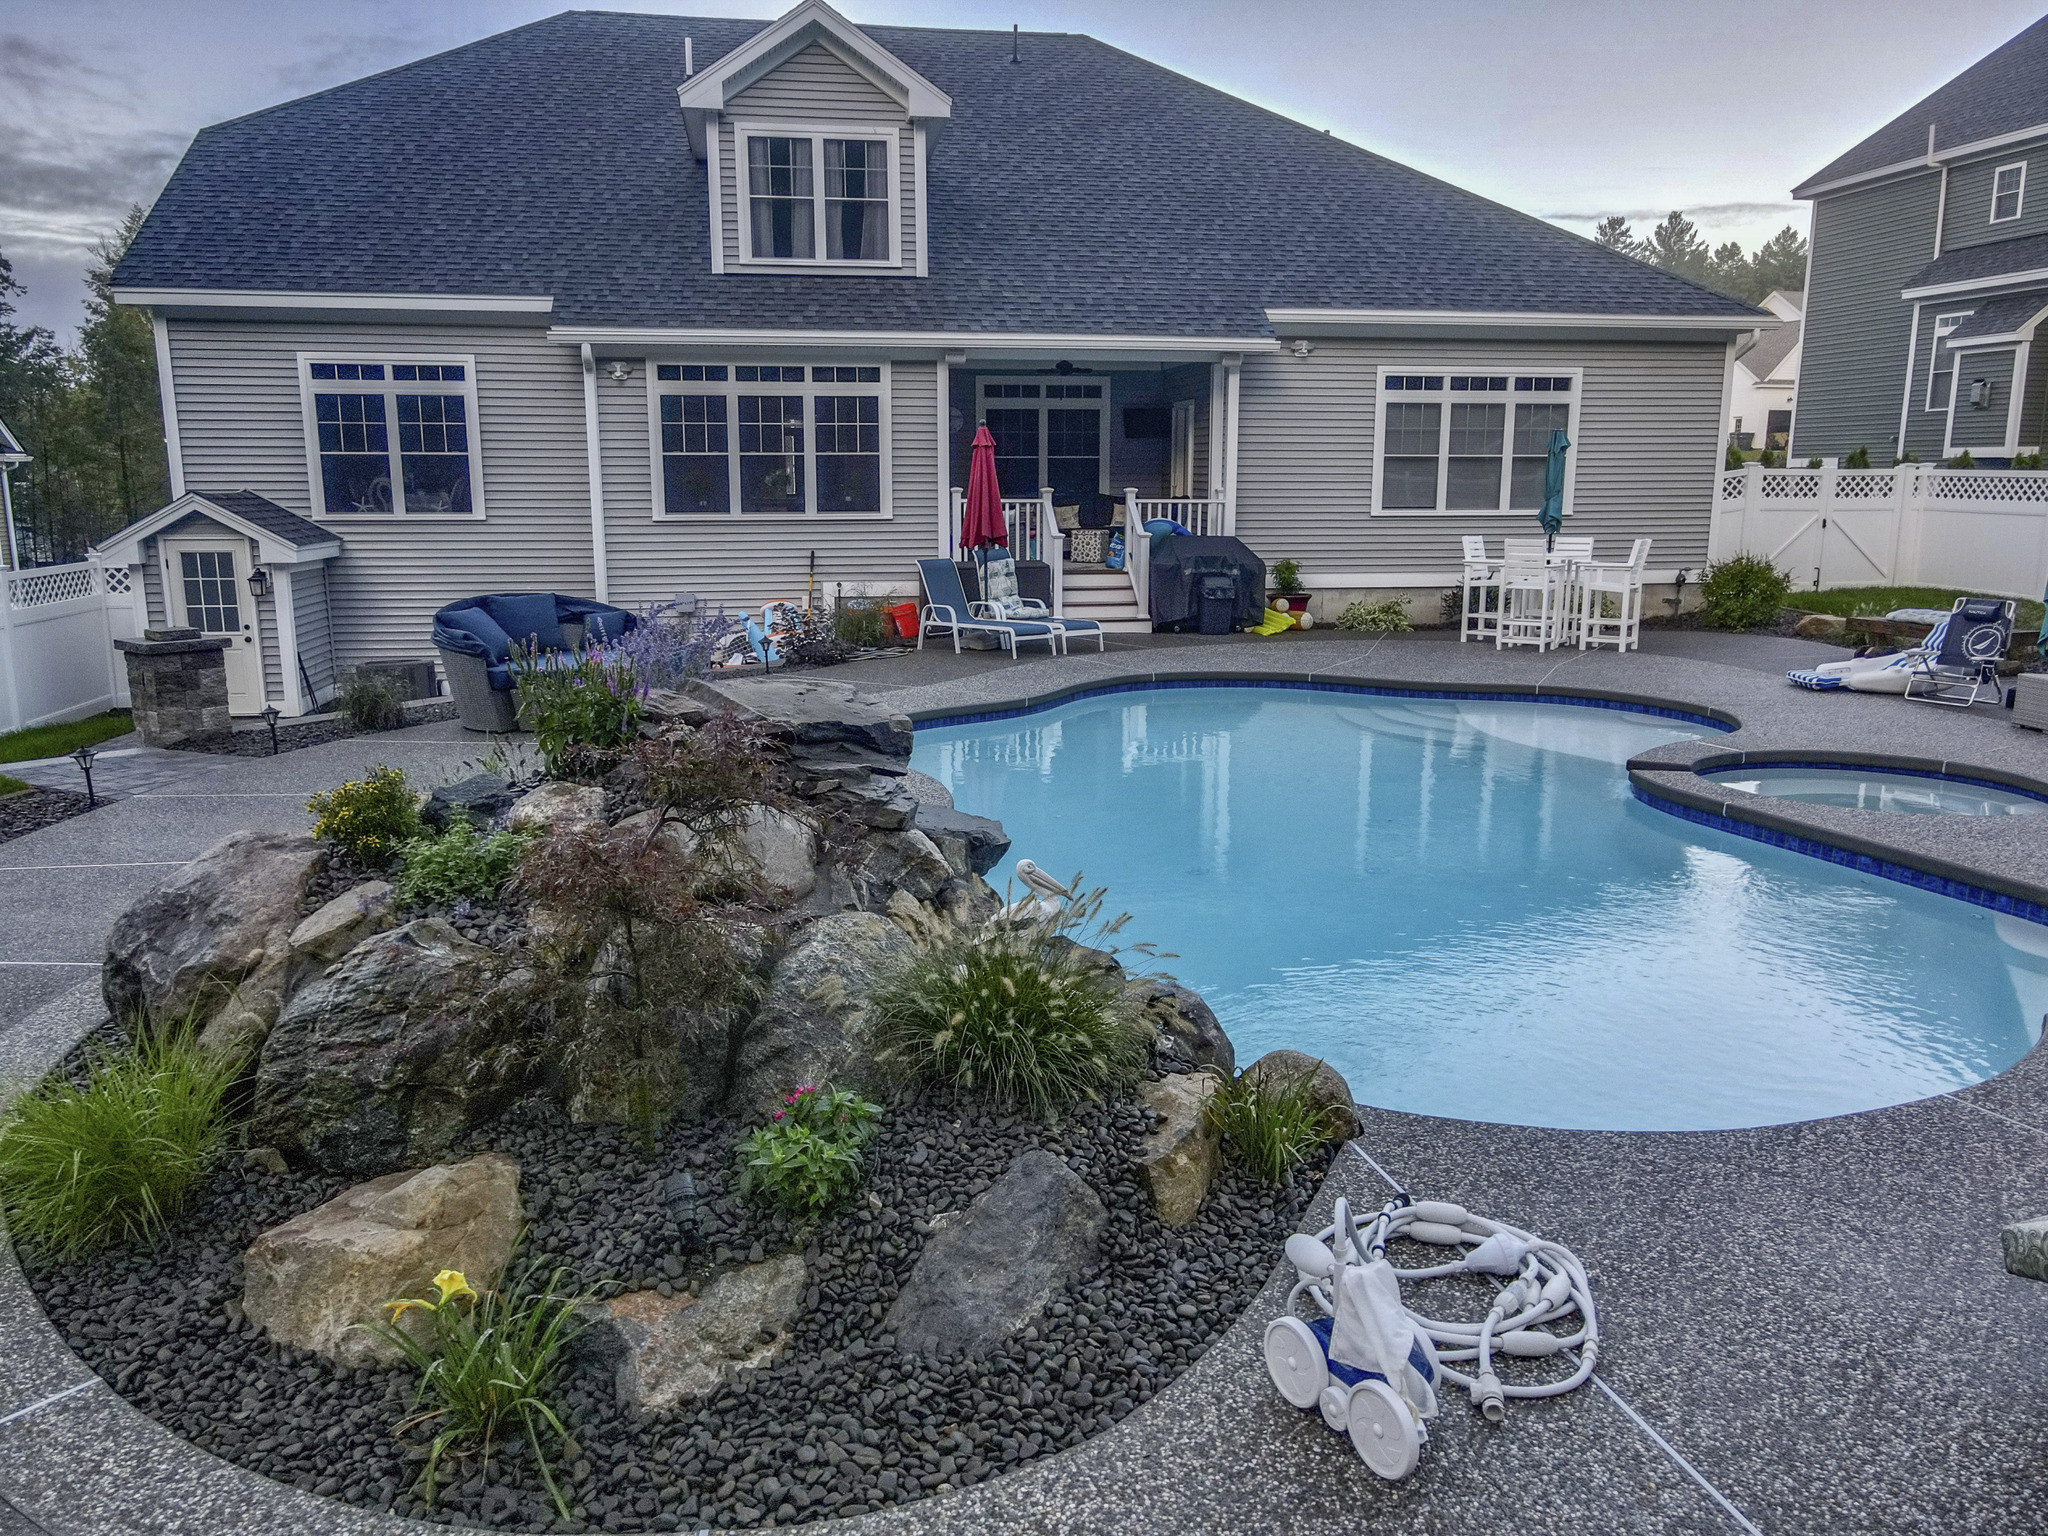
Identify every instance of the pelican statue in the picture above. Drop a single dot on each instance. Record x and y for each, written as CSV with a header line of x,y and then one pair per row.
x,y
1046,901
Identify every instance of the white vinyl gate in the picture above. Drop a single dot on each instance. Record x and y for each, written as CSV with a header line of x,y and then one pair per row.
x,y
58,624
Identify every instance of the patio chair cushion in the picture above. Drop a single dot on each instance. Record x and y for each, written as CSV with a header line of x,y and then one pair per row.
x,y
527,616
999,580
500,674
480,627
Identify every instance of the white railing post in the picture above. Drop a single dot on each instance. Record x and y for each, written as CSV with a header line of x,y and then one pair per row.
x,y
952,549
1055,545
1137,547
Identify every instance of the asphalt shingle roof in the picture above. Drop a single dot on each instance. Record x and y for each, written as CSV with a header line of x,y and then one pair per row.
x,y
1081,190
1770,350
270,517
2000,316
1982,263
2003,92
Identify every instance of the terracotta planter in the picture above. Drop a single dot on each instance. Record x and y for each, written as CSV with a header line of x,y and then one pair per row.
x,y
1293,602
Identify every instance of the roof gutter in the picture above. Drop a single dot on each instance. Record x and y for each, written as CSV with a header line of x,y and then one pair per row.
x,y
1514,324
1977,284
1927,162
272,304
975,343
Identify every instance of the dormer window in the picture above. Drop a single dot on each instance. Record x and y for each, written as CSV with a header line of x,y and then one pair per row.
x,y
788,202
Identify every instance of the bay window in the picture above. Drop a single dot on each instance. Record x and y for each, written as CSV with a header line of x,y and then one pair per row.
x,y
1469,442
789,201
776,439
390,438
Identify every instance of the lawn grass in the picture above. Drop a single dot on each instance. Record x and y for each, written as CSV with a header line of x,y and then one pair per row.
x,y
1875,602
10,786
56,740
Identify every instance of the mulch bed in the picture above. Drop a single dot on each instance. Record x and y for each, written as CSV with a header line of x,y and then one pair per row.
x,y
33,809
842,1424
313,733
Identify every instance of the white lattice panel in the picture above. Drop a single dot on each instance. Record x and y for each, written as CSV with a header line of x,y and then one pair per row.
x,y
1731,486
2002,487
59,584
1789,485
1866,485
118,581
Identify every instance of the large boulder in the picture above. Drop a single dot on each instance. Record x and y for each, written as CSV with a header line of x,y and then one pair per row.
x,y
1180,1159
340,925
479,799
808,710
1328,1092
971,844
808,1028
181,951
313,1282
396,1051
664,1350
906,860
243,1022
1184,1028
557,805
772,848
997,1268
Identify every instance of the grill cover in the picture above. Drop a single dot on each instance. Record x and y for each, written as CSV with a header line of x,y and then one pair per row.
x,y
1180,561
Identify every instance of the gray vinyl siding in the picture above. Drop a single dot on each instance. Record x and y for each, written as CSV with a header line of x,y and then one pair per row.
x,y
266,642
240,426
309,612
1647,448
742,562
2034,406
1852,367
1968,220
1983,428
818,86
153,607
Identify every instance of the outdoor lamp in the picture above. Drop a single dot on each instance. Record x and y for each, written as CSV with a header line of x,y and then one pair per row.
x,y
83,757
259,582
270,713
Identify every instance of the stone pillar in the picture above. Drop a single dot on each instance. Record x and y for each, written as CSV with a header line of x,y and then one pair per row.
x,y
178,683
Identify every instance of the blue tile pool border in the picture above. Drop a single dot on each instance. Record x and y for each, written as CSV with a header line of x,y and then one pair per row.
x,y
1850,765
1317,685
1849,858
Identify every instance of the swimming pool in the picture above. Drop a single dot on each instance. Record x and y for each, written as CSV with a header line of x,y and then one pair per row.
x,y
1894,791
1463,908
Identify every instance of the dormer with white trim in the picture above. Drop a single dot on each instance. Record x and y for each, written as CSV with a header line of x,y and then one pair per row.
x,y
815,140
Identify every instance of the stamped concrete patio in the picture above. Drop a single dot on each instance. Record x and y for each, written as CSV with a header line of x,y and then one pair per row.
x,y
1807,1327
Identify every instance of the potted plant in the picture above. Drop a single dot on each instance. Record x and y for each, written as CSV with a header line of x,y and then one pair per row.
x,y
1287,591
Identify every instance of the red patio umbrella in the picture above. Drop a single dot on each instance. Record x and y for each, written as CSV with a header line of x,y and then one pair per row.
x,y
982,525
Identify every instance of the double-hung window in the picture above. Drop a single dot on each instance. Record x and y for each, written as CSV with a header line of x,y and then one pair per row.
x,y
2008,188
1941,365
392,438
769,439
1469,442
817,195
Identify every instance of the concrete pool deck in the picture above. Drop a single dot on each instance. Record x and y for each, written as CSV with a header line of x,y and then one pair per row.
x,y
1805,1327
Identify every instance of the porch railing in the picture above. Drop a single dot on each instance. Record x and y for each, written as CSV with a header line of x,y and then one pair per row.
x,y
1207,517
1034,535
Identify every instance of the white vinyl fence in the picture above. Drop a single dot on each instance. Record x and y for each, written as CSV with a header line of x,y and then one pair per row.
x,y
1982,530
58,624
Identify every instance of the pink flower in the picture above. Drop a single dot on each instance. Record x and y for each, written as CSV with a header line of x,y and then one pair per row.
x,y
778,1114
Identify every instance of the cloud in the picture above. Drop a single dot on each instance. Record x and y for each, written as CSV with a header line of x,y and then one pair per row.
x,y
1708,213
61,192
38,71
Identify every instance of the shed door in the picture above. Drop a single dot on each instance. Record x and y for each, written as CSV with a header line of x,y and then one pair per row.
x,y
206,590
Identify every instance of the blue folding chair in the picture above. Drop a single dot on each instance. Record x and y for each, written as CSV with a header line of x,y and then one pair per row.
x,y
947,612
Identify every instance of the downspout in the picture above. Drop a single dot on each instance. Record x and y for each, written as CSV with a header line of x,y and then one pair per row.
x,y
601,575
174,453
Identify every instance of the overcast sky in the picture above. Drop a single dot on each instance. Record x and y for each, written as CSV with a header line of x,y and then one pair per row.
x,y
1570,109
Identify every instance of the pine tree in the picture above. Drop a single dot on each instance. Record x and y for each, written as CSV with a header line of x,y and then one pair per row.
x,y
1615,234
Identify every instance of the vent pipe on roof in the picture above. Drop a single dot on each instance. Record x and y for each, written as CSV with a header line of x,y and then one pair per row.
x,y
689,57
1013,42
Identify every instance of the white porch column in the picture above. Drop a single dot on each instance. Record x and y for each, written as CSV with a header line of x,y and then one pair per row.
x,y
600,574
174,454
949,515
1218,404
1232,366
294,700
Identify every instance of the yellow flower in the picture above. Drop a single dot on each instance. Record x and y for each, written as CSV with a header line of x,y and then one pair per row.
x,y
398,1309
451,1283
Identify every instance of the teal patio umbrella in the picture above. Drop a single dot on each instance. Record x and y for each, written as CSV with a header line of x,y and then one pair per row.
x,y
1551,515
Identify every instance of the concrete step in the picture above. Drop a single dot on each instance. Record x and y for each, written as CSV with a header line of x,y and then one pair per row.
x,y
1095,608
1110,582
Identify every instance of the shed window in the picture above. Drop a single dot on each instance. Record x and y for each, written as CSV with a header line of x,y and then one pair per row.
x,y
392,439
1443,450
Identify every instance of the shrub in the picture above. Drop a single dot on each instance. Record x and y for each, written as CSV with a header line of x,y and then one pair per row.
x,y
1013,1012
1814,462
859,622
674,642
486,1370
114,1160
2026,461
1270,1130
809,1159
1860,459
1772,458
1450,605
460,864
372,701
582,708
1743,592
369,819
1962,461
1733,458
812,641
710,780
1387,616
1287,578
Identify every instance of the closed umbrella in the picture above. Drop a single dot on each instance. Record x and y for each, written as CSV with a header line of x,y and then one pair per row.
x,y
982,525
1551,516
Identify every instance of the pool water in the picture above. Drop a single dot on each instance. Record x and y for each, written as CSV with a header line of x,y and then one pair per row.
x,y
1463,908
1870,789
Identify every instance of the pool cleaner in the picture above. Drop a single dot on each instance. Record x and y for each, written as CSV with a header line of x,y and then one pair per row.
x,y
1372,1366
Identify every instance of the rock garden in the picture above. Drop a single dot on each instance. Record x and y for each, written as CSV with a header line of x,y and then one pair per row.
x,y
685,1134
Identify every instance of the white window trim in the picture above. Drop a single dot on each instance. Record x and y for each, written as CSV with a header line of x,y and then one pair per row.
x,y
2019,202
889,133
316,485
1105,474
732,388
2014,391
1937,353
1512,397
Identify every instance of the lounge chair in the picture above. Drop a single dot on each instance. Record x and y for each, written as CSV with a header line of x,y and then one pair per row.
x,y
947,612
1006,602
1966,662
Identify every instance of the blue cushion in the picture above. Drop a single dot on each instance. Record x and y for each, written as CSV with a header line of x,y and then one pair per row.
x,y
481,626
527,616
501,676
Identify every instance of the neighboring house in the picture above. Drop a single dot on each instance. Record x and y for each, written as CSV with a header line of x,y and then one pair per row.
x,y
1766,373
11,454
1929,274
632,305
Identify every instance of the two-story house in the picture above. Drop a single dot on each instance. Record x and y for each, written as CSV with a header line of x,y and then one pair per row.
x,y
630,305
1929,274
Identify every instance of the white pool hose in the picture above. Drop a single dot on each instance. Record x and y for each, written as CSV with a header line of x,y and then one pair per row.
x,y
1546,1285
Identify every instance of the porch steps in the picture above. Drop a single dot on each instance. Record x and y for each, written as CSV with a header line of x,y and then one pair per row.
x,y
1106,598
